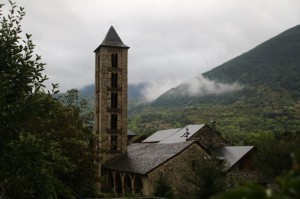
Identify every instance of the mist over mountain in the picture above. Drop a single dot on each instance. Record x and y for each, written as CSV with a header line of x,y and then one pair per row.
x,y
274,64
257,91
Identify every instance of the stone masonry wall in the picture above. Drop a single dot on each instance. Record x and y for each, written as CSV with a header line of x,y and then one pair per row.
x,y
176,171
103,71
207,137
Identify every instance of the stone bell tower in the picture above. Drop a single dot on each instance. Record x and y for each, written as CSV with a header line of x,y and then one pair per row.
x,y
111,97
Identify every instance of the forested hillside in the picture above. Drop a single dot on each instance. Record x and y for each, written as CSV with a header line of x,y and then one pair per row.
x,y
267,98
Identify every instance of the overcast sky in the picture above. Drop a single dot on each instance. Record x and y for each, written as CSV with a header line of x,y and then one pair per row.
x,y
170,40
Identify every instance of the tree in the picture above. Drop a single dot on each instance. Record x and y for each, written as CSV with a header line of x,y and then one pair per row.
x,y
45,149
273,155
163,188
206,178
22,150
289,186
32,167
76,139
20,73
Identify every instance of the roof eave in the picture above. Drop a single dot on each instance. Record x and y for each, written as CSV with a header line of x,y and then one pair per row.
x,y
113,46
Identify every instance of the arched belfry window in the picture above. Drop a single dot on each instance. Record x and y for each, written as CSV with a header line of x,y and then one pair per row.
x,y
113,142
114,60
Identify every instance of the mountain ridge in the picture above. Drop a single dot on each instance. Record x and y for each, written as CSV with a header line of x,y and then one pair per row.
x,y
271,63
267,101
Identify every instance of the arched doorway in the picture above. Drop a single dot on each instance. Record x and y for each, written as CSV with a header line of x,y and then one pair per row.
x,y
127,184
118,184
138,185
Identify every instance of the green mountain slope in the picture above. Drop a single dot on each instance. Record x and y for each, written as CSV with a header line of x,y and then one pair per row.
x,y
274,63
268,99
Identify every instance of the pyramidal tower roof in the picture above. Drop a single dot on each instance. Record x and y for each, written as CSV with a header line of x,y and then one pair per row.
x,y
112,39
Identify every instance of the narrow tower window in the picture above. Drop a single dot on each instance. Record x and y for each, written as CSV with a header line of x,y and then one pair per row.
x,y
114,100
114,121
98,63
98,123
114,60
114,80
97,82
114,142
98,102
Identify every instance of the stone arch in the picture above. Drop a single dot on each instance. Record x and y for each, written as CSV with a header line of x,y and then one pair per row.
x,y
110,181
138,185
127,184
118,184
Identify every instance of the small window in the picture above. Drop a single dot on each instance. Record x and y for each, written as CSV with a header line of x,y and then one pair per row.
x,y
97,82
114,121
114,80
114,142
98,62
98,102
98,123
193,163
114,60
114,100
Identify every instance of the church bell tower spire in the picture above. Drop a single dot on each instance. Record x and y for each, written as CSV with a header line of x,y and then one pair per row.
x,y
110,126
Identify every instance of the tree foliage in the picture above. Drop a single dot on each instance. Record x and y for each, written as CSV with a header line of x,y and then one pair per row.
x,y
289,186
20,76
273,155
163,188
32,167
45,143
206,178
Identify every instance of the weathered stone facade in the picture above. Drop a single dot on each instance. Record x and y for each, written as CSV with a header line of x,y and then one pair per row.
x,y
111,71
243,172
208,137
104,101
174,171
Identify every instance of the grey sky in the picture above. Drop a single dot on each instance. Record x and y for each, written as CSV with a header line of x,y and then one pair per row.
x,y
170,40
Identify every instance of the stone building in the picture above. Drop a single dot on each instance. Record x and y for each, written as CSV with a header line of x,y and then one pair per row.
x,y
137,167
111,97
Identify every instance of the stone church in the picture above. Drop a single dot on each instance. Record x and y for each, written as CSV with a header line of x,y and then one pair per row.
x,y
135,168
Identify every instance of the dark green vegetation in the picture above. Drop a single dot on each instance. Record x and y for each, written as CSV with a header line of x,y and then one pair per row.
x,y
289,186
45,149
273,155
204,179
163,188
268,102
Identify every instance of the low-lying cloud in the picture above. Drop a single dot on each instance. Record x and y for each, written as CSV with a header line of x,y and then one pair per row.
x,y
155,89
200,86
197,86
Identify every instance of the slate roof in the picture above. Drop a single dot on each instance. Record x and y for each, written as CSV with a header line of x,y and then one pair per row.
x,y
112,39
142,158
160,135
183,134
232,154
